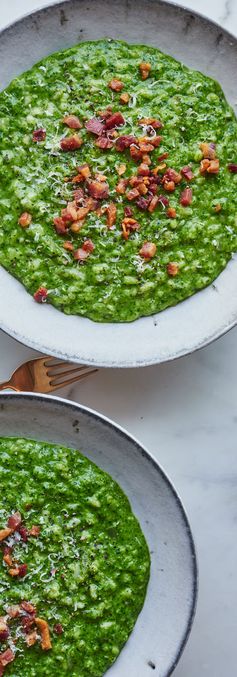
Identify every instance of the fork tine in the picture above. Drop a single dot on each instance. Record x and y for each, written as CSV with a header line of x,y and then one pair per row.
x,y
67,382
56,374
56,362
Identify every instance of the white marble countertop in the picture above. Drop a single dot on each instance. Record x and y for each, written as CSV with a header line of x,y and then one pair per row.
x,y
185,412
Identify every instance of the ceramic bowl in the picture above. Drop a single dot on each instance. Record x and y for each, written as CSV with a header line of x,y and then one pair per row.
x,y
197,42
165,621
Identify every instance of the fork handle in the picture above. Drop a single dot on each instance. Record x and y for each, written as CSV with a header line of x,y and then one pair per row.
x,y
6,385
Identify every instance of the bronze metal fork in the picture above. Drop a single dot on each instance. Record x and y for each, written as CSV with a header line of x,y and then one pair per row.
x,y
45,374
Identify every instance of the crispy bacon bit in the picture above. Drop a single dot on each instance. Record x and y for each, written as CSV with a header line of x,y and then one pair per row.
x,y
7,558
186,197
171,212
153,187
69,213
14,611
68,246
123,142
153,204
124,98
121,169
78,194
98,190
143,203
104,143
145,69
41,295
163,200
28,607
162,157
159,169
88,246
19,570
100,177
115,120
142,189
84,170
7,550
24,533
172,268
204,166
116,85
132,194
143,170
155,141
187,173
208,150
111,212
6,657
103,114
80,254
232,167
14,572
4,533
31,639
145,146
58,629
25,220
151,122
128,211
218,208
214,167
14,521
135,180
209,166
129,224
4,630
148,250
121,186
81,214
95,126
27,622
169,186
70,143
72,121
77,179
34,531
39,135
60,225
172,175
146,158
136,153
45,634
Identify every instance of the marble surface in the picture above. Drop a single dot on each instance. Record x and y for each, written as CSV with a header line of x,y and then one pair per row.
x,y
185,412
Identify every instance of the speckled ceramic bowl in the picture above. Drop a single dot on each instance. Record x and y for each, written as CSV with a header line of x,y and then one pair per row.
x,y
197,42
164,624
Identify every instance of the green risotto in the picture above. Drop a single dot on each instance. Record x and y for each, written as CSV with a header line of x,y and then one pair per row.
x,y
118,180
74,564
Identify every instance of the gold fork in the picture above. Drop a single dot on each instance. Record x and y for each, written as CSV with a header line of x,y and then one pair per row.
x,y
45,374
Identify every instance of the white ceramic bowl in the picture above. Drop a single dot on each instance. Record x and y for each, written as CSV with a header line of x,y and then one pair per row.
x,y
164,624
193,323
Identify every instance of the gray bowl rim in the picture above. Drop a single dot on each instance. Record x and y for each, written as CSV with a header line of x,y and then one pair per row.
x,y
143,451
165,3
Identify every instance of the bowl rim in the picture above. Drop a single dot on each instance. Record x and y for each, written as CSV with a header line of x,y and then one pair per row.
x,y
165,3
143,451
